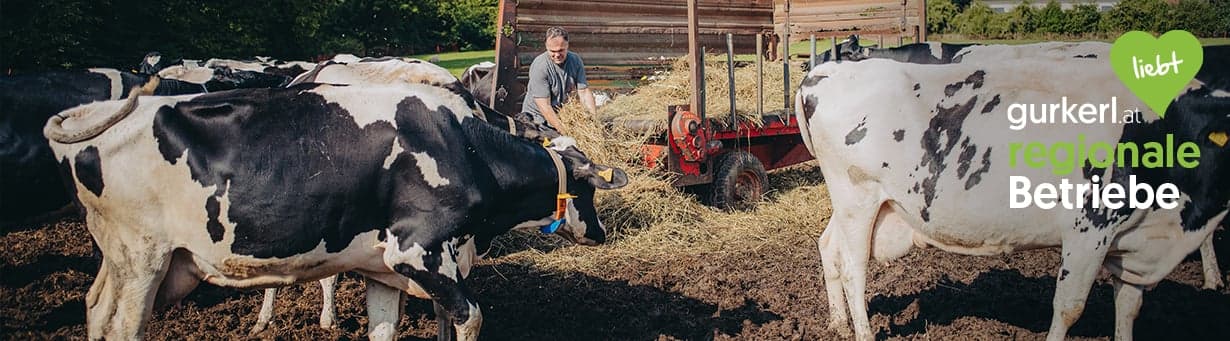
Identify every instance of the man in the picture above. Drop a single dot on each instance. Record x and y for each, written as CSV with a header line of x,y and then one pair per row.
x,y
553,75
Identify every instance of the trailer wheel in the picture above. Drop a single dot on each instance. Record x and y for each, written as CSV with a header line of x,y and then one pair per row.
x,y
739,181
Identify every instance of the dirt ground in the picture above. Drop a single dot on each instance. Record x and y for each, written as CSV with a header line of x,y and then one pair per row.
x,y
745,293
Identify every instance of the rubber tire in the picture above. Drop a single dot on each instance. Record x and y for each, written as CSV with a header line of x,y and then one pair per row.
x,y
739,175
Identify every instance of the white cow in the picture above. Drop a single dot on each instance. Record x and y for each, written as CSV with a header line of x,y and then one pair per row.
x,y
932,164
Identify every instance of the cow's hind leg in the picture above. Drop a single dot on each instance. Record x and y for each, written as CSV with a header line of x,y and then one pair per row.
x,y
384,308
853,221
266,313
1127,305
839,319
433,266
122,304
1208,259
328,286
1082,257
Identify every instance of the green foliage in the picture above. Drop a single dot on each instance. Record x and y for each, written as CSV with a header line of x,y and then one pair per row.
x,y
1022,18
471,22
940,14
1082,19
117,33
1052,19
1206,18
979,20
1143,15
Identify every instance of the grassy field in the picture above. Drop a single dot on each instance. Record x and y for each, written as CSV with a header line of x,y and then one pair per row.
x,y
457,62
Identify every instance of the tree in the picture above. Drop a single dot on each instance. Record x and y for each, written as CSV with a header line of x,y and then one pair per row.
x,y
940,15
1052,19
471,23
979,20
1144,15
1082,19
1195,16
1021,18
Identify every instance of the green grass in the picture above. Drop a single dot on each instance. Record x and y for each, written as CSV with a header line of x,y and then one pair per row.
x,y
457,62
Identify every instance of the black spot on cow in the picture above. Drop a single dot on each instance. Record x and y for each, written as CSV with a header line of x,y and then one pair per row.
x,y
813,80
974,79
968,151
976,177
809,107
328,187
915,189
937,142
898,135
1088,56
1063,274
89,170
858,133
884,165
213,211
991,105
917,86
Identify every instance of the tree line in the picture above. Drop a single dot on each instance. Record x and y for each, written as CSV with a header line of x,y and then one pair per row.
x,y
1203,18
48,34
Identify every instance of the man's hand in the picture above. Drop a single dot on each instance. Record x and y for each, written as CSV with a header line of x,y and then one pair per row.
x,y
587,101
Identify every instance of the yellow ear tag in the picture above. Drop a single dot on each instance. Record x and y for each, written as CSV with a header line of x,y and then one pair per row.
x,y
607,174
1219,138
546,143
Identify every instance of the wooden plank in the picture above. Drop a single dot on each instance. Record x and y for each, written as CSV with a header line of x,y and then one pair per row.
x,y
506,57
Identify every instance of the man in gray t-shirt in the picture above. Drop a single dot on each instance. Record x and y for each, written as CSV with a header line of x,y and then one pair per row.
x,y
553,75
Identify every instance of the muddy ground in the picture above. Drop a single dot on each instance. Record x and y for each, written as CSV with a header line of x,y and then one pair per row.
x,y
746,294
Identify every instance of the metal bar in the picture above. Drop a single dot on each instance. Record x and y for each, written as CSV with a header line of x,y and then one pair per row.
x,y
922,18
759,75
786,63
811,63
730,77
881,41
701,93
697,60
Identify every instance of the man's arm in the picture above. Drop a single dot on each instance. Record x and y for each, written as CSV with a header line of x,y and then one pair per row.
x,y
587,101
544,106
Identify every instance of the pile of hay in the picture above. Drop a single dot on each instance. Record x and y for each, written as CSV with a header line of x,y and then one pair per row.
x,y
649,102
650,220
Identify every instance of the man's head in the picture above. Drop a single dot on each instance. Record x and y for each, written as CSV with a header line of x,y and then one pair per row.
x,y
557,44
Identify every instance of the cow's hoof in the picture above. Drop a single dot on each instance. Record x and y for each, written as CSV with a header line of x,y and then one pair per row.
x,y
257,329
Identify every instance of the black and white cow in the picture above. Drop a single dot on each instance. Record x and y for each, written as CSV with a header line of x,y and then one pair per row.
x,y
932,168
30,185
268,187
387,71
264,65
1214,75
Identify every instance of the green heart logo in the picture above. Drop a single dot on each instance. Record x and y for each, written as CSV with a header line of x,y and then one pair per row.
x,y
1155,69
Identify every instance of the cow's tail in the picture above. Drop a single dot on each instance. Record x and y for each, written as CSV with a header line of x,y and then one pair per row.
x,y
54,130
799,117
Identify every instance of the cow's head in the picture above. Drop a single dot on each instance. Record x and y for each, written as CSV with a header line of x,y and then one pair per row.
x,y
581,223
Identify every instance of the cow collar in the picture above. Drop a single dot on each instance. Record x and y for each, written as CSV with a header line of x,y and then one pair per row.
x,y
561,196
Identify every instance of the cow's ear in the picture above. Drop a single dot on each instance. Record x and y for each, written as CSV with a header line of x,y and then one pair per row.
x,y
604,177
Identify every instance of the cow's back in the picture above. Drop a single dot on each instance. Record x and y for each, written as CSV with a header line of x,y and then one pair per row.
x,y
268,173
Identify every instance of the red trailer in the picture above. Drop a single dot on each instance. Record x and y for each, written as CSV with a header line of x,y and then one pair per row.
x,y
717,156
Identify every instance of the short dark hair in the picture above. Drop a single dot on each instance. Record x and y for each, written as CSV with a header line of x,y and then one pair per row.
x,y
556,31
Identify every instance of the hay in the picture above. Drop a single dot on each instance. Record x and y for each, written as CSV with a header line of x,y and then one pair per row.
x,y
650,221
649,102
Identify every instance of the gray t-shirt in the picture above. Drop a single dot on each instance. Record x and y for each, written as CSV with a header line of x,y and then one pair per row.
x,y
548,80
